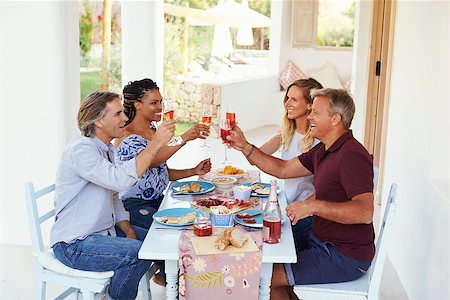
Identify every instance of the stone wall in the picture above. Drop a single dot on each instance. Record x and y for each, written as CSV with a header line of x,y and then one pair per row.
x,y
190,98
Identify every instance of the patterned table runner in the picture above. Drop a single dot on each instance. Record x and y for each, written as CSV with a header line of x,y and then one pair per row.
x,y
219,276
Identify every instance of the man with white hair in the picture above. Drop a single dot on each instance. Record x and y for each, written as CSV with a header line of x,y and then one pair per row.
x,y
341,244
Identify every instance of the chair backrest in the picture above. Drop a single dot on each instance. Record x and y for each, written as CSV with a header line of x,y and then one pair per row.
x,y
382,243
376,171
35,221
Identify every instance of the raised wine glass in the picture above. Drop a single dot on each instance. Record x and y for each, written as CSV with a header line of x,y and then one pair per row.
x,y
231,115
225,130
168,110
206,120
168,115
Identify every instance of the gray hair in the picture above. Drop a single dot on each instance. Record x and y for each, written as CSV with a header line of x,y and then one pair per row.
x,y
93,109
341,102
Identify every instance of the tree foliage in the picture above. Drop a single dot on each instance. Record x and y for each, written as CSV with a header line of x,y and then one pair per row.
x,y
86,27
335,30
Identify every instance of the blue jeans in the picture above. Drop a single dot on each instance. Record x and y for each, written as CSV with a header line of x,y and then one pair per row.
x,y
141,233
142,211
100,253
302,226
321,262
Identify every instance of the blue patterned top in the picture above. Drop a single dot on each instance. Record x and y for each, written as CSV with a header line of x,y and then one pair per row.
x,y
154,181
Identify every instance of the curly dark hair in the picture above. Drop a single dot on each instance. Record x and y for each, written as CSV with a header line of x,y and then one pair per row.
x,y
133,92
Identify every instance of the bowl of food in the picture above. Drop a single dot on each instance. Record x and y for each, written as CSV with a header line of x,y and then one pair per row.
x,y
242,192
224,182
220,216
231,171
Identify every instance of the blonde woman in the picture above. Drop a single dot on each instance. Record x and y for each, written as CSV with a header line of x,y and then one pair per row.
x,y
295,138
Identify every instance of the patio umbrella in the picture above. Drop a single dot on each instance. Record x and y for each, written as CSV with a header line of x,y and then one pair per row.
x,y
233,14
244,35
222,44
228,13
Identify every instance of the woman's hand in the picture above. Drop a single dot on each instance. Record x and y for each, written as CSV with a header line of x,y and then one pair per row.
x,y
197,131
203,167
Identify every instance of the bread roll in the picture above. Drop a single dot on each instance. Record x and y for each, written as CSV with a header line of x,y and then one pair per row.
x,y
238,238
194,187
221,242
172,220
161,219
187,218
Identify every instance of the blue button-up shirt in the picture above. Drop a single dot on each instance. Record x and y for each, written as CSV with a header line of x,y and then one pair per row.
x,y
86,193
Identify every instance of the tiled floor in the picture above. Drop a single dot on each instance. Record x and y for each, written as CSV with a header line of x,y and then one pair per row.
x,y
16,262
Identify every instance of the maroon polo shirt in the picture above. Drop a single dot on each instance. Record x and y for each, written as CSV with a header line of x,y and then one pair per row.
x,y
340,173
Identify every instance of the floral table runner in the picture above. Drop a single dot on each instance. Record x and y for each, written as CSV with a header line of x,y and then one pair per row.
x,y
219,276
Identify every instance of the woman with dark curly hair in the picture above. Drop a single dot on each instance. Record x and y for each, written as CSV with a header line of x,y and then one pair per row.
x,y
143,107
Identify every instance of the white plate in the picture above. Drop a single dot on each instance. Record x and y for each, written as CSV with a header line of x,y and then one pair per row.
x,y
175,213
266,187
258,219
205,187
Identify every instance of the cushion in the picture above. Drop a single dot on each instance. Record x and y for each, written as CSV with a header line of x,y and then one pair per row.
x,y
49,261
289,74
348,84
326,75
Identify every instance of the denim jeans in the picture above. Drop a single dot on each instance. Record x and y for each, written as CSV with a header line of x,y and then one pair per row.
x,y
141,233
302,226
320,262
142,211
101,253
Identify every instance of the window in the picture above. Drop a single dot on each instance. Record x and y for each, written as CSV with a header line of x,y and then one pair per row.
x,y
328,23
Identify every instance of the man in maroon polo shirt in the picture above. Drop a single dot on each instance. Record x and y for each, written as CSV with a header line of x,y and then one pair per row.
x,y
341,244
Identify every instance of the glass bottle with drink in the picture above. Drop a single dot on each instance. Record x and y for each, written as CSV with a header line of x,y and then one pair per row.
x,y
271,232
202,227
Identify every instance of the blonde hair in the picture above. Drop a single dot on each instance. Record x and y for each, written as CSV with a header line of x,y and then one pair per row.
x,y
288,127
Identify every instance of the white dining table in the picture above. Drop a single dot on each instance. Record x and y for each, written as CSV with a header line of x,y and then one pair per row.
x,y
163,245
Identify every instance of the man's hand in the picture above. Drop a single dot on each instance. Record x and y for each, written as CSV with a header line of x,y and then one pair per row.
x,y
126,228
131,234
197,131
298,210
203,167
164,133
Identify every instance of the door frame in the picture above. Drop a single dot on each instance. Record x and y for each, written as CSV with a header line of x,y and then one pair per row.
x,y
378,90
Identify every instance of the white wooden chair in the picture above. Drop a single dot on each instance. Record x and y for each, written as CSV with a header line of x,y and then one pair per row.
x,y
367,286
85,284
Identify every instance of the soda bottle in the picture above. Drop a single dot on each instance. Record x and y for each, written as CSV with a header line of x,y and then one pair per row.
x,y
271,232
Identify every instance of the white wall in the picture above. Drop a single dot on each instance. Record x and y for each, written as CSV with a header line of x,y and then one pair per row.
x,y
257,101
142,41
417,156
39,76
360,65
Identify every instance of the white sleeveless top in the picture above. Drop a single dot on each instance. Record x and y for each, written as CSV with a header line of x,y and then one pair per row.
x,y
298,188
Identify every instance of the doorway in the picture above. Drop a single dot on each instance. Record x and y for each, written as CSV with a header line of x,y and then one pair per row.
x,y
378,90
